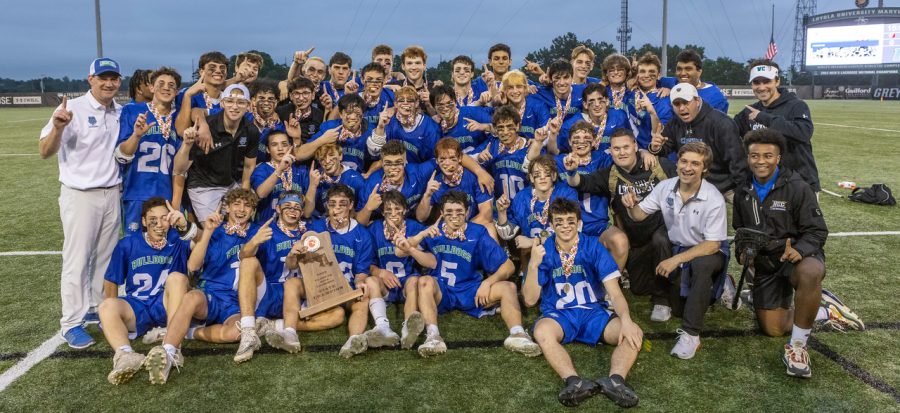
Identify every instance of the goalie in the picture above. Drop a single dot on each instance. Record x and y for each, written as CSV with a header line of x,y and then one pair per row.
x,y
788,260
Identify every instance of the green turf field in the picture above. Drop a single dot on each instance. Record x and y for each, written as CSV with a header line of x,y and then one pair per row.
x,y
736,369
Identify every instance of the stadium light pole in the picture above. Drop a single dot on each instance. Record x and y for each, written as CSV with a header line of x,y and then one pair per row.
x,y
99,31
665,47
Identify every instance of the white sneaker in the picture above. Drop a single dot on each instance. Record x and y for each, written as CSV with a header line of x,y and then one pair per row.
x,y
356,344
661,313
155,335
159,363
124,366
687,345
382,337
249,344
412,327
263,326
522,343
284,340
730,293
433,346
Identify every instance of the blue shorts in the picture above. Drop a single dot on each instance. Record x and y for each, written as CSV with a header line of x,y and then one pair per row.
x,y
271,304
220,306
463,299
580,324
595,229
148,313
131,216
396,295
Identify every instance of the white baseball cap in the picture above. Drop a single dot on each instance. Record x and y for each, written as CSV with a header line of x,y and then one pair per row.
x,y
236,90
683,91
768,72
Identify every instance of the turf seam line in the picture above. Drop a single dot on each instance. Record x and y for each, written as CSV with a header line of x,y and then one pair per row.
x,y
854,369
856,127
325,348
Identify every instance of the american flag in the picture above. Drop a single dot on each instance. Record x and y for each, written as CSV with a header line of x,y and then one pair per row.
x,y
772,50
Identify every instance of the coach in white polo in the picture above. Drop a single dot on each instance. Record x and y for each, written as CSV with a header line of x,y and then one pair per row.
x,y
82,133
696,220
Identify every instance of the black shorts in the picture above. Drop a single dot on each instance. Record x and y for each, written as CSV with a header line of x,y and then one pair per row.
x,y
772,288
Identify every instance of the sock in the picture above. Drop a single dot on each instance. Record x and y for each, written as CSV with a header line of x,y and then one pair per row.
x,y
822,314
432,330
170,349
190,333
379,311
516,330
126,349
248,322
279,325
799,336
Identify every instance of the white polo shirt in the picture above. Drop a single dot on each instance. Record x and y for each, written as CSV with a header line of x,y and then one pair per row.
x,y
702,218
85,156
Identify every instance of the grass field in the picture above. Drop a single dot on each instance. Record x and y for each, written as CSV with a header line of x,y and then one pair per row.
x,y
736,370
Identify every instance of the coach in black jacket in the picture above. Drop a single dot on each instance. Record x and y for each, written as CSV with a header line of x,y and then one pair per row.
x,y
782,110
778,202
697,121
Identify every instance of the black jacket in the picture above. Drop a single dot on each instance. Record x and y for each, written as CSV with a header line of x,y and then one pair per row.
x,y
718,131
790,116
790,210
597,183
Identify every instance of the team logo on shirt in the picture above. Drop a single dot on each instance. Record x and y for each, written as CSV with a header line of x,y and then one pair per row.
x,y
92,121
242,141
133,227
778,206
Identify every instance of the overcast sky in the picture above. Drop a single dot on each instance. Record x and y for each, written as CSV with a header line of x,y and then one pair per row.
x,y
57,38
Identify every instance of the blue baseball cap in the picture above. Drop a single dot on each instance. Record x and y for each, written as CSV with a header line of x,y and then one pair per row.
x,y
103,65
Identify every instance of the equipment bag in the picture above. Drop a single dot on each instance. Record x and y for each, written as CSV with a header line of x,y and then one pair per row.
x,y
878,194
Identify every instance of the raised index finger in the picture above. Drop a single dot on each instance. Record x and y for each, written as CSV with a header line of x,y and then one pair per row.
x,y
64,99
169,205
310,50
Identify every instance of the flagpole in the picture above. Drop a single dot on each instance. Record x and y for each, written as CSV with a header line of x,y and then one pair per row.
x,y
773,20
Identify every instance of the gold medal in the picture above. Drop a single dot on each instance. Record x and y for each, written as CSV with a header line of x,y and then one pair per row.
x,y
567,288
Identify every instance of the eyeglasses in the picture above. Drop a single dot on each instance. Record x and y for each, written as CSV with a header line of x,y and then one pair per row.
x,y
235,102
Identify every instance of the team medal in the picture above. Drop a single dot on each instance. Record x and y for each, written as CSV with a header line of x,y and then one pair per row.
x,y
312,243
567,287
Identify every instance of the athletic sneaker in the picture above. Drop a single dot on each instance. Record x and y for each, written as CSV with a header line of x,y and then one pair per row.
x,y
283,339
522,343
412,327
381,337
155,335
263,326
661,313
839,316
91,317
624,280
687,345
433,346
249,344
356,344
616,389
576,391
797,361
729,293
77,337
125,364
159,363
747,299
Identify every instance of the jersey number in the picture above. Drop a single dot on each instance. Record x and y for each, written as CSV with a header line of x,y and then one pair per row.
x,y
155,152
511,184
396,268
581,294
451,278
144,282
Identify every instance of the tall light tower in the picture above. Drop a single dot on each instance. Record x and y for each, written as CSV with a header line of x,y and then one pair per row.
x,y
624,29
804,8
99,32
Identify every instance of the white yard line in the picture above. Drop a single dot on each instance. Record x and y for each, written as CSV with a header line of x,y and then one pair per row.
x,y
27,253
24,120
20,154
855,127
32,359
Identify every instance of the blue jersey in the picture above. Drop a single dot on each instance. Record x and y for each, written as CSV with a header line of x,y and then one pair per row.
x,y
469,141
642,121
149,174
328,88
534,117
710,93
419,142
198,101
468,185
266,206
414,183
144,269
508,169
463,263
385,254
545,95
594,212
620,100
371,114
583,288
355,153
272,254
221,264
522,215
347,177
262,155
353,248
615,119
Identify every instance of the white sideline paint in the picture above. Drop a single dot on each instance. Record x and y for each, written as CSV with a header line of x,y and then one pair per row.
x,y
33,358
20,154
24,120
27,253
855,127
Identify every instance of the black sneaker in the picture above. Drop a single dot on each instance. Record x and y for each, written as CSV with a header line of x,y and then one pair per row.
x,y
617,390
576,391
